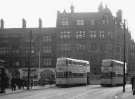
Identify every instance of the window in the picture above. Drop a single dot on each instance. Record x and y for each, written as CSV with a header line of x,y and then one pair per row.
x,y
118,49
101,34
80,34
109,47
132,54
65,47
47,49
12,35
92,34
3,50
65,34
93,46
4,41
102,47
27,50
92,22
4,35
80,22
47,61
105,19
80,46
47,38
64,22
15,51
34,61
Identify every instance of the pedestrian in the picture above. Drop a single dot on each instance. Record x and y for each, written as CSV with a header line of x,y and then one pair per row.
x,y
24,83
133,84
3,80
19,83
31,83
13,84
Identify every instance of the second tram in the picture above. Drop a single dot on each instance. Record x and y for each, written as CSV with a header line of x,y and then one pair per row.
x,y
112,72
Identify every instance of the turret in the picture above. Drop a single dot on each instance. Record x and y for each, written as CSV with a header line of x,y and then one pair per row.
x,y
100,8
40,23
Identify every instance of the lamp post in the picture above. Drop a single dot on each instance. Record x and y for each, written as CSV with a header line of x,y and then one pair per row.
x,y
39,65
39,53
124,57
29,60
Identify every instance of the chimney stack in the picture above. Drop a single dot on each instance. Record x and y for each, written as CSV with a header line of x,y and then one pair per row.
x,y
40,23
119,15
23,23
2,24
72,8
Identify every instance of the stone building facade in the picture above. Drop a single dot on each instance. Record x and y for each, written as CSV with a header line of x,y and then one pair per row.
x,y
91,36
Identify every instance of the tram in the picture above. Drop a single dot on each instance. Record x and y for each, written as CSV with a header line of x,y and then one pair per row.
x,y
112,72
72,72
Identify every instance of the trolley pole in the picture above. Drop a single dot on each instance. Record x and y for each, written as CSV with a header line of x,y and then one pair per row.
x,y
29,61
124,58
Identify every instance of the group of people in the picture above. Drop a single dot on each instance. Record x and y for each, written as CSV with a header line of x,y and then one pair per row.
x,y
19,83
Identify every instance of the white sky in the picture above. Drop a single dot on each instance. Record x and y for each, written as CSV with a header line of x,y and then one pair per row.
x,y
12,11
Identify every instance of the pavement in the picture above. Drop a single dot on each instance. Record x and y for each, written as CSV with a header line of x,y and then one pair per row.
x,y
120,95
125,95
34,88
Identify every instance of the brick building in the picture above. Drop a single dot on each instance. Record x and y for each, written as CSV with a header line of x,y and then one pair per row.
x,y
131,59
91,36
17,43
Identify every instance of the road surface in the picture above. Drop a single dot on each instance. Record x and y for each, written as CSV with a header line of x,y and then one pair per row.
x,y
79,92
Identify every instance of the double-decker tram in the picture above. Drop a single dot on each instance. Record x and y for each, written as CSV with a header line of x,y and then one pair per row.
x,y
72,72
112,72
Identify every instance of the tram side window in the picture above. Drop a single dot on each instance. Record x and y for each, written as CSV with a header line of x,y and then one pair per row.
x,y
65,74
106,75
113,74
60,62
78,75
79,63
119,75
66,61
84,64
60,74
69,62
73,63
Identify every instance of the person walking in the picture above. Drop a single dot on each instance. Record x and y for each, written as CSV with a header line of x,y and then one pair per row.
x,y
2,80
31,83
133,84
13,84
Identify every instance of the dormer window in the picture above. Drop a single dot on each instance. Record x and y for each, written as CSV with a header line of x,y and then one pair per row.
x,y
80,22
102,34
64,22
105,19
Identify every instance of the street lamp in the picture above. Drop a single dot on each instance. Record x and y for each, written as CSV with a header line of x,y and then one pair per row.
x,y
39,53
124,57
29,60
39,63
